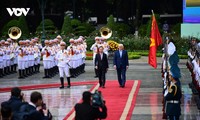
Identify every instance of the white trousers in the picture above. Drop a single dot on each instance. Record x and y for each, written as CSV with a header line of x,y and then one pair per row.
x,y
64,70
1,64
21,65
47,64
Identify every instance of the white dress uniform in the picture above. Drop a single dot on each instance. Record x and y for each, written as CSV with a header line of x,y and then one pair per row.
x,y
1,58
21,62
95,50
46,57
106,48
46,61
63,63
196,70
63,66
1,62
25,49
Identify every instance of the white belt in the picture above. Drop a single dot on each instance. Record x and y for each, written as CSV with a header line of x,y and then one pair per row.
x,y
173,101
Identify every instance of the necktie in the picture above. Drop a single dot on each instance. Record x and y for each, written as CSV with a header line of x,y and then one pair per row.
x,y
120,53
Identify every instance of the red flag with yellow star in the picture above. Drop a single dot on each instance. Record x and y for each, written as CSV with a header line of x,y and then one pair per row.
x,y
156,40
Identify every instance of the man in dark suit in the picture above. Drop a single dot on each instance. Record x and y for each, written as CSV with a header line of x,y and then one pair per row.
x,y
16,99
101,64
85,111
37,112
121,64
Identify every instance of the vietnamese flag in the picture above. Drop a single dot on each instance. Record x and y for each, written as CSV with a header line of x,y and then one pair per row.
x,y
156,40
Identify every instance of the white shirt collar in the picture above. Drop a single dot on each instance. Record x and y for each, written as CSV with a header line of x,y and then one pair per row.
x,y
30,103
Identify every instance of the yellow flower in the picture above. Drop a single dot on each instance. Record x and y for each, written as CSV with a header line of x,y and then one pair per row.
x,y
113,45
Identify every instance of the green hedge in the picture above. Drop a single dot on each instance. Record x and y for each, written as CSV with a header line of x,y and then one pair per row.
x,y
89,58
132,56
183,56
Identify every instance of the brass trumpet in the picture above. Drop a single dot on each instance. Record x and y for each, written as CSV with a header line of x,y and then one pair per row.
x,y
14,33
105,32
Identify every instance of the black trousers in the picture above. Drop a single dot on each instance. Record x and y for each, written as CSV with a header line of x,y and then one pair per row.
x,y
121,74
102,76
173,117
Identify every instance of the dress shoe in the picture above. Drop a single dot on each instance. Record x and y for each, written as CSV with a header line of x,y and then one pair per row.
x,y
61,87
95,76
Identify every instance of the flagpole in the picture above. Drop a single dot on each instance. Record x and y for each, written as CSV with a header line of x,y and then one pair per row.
x,y
152,12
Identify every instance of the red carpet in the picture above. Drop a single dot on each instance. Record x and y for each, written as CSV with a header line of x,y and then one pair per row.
x,y
119,101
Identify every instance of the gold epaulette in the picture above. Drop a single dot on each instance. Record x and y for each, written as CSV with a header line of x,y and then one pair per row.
x,y
170,89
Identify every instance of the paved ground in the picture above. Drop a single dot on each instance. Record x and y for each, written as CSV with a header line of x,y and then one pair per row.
x,y
149,100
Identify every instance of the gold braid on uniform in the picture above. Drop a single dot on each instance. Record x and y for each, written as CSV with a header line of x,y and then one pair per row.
x,y
170,89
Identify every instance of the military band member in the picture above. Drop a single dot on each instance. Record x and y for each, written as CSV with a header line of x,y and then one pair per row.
x,y
6,58
21,60
105,46
3,57
59,38
12,56
1,60
37,56
63,64
95,49
84,50
46,59
71,52
52,59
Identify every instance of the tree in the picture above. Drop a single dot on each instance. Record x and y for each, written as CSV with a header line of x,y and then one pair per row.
x,y
66,27
111,22
23,26
10,24
50,29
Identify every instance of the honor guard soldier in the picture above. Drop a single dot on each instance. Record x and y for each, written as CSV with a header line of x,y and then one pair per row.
x,y
95,49
170,65
63,64
173,98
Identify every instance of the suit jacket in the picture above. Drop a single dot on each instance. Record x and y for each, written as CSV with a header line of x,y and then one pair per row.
x,y
101,63
35,115
85,111
15,103
121,61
